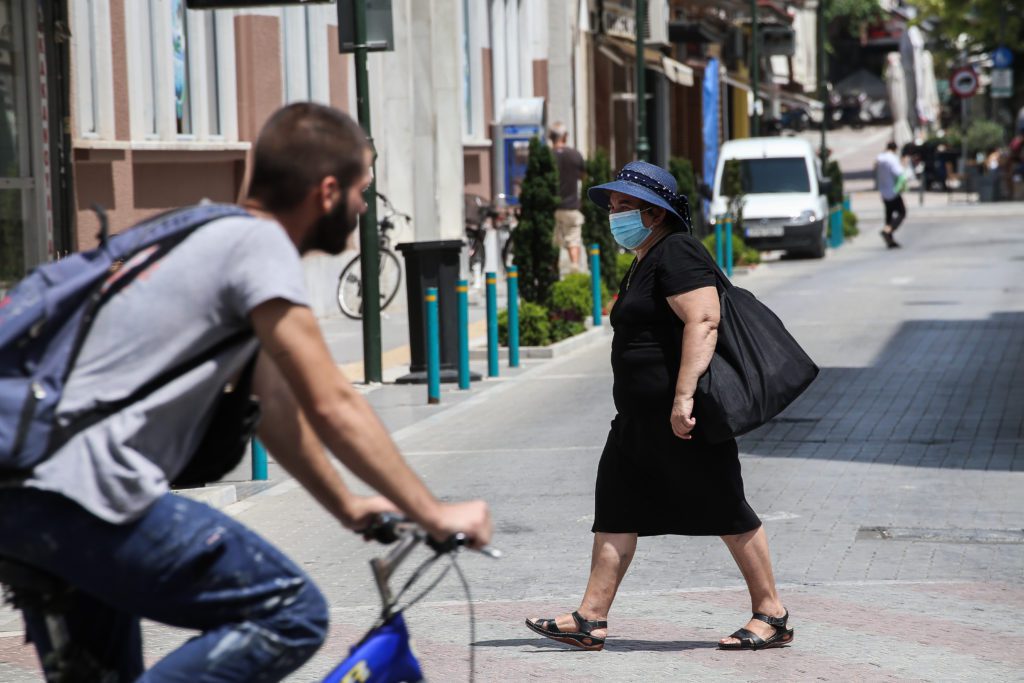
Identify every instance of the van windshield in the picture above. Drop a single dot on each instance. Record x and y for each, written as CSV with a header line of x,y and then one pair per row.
x,y
765,176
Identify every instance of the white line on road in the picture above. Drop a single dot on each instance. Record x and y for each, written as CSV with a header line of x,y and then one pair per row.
x,y
474,451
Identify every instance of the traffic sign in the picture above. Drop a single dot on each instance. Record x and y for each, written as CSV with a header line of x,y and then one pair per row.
x,y
1002,83
964,82
1002,57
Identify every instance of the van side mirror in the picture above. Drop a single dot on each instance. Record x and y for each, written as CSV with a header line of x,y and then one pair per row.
x,y
825,185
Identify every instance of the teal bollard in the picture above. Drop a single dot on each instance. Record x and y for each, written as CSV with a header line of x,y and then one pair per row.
x,y
492,324
462,289
718,244
513,317
728,249
259,461
433,348
595,281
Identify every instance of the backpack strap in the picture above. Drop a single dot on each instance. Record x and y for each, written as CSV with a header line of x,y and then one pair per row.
x,y
68,426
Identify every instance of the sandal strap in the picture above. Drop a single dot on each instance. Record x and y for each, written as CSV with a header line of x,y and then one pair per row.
x,y
778,623
587,626
748,636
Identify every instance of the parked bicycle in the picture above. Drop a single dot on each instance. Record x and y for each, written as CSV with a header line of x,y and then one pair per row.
x,y
382,656
350,282
482,216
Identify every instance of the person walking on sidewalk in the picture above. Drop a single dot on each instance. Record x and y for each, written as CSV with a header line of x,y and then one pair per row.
x,y
891,178
568,218
658,474
98,515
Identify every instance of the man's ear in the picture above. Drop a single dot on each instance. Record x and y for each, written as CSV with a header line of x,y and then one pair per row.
x,y
330,193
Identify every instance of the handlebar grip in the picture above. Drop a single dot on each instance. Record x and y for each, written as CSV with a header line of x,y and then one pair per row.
x,y
383,528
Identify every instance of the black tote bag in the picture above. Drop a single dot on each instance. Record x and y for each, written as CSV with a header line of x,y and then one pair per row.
x,y
757,370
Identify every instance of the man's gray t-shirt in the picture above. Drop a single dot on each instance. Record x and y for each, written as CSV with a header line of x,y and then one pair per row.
x,y
570,170
201,293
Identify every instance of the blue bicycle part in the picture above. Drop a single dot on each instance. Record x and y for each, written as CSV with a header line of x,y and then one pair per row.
x,y
383,656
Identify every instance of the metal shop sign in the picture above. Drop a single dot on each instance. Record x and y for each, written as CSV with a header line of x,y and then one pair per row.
x,y
618,19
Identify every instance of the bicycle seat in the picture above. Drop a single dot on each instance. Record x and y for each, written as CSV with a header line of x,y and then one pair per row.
x,y
25,580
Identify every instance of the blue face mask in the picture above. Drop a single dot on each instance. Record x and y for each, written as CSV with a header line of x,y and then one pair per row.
x,y
628,229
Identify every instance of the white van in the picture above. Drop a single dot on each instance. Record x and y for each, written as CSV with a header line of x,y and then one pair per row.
x,y
785,206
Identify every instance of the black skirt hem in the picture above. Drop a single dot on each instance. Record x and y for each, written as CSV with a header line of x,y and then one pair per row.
x,y
675,532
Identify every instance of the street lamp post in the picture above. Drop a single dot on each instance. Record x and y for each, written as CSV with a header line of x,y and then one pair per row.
x,y
369,256
755,70
643,148
822,75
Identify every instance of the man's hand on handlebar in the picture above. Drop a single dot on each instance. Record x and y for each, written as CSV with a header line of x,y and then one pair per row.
x,y
360,511
472,518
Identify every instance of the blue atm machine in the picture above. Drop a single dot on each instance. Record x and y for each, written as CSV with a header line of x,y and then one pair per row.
x,y
520,120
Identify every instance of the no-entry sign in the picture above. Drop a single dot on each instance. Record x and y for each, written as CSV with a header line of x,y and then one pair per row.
x,y
964,82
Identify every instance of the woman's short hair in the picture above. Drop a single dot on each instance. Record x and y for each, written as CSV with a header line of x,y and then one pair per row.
x,y
300,145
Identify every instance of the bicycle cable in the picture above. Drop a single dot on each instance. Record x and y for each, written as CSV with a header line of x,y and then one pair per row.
x,y
433,584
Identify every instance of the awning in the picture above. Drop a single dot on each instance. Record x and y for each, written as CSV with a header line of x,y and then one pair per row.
x,y
674,70
790,98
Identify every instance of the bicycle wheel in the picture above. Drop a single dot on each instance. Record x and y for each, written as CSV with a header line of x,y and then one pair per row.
x,y
350,290
390,277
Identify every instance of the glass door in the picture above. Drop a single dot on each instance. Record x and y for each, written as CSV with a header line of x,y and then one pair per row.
x,y
17,182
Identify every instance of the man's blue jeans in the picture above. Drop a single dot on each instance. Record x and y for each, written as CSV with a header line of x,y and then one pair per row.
x,y
182,563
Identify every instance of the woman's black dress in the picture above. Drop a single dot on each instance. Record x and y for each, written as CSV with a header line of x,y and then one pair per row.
x,y
650,481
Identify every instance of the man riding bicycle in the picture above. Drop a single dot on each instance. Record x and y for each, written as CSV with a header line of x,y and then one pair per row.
x,y
97,513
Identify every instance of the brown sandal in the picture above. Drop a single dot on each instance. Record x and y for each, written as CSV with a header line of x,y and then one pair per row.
x,y
580,638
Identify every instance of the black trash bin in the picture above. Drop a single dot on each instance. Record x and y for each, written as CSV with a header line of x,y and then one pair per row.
x,y
432,264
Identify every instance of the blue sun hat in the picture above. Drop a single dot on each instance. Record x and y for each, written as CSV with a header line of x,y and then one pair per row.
x,y
648,182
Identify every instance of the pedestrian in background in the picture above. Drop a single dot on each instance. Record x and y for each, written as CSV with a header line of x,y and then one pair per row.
x,y
891,178
658,473
568,218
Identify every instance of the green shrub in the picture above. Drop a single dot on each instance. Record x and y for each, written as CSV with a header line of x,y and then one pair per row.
x,y
622,266
850,228
741,253
686,183
572,298
595,223
983,135
536,255
563,329
534,325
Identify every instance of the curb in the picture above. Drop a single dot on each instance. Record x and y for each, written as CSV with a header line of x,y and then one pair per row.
x,y
552,350
217,496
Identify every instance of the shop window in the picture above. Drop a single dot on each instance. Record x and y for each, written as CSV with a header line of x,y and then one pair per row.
x,y
179,60
304,53
93,69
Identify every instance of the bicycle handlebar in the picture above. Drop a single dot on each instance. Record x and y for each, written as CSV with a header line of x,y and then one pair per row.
x,y
388,527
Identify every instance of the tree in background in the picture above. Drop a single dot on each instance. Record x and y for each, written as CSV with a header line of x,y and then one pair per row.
x,y
536,255
595,225
732,187
848,18
686,183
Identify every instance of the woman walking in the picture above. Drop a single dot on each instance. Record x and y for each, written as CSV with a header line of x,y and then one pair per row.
x,y
657,474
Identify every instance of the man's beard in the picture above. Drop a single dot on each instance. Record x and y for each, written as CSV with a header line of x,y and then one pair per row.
x,y
332,230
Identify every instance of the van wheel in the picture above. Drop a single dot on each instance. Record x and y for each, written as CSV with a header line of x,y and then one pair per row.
x,y
819,251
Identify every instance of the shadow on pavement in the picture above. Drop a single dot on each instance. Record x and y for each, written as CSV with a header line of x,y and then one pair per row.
x,y
943,393
616,645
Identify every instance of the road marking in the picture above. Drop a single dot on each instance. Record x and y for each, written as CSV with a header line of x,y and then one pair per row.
x,y
778,516
473,451
900,281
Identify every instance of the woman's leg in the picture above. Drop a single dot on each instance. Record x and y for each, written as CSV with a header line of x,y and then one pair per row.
x,y
611,556
750,550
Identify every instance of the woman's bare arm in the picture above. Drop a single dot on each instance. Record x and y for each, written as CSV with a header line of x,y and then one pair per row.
x,y
700,312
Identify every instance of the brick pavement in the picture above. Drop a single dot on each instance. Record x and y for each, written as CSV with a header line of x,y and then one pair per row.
x,y
915,424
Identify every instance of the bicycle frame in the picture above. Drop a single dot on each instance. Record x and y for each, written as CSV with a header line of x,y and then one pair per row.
x,y
384,654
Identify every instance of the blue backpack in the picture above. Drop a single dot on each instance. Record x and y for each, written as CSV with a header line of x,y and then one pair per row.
x,y
44,321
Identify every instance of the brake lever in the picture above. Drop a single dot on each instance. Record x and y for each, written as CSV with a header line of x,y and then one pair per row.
x,y
459,541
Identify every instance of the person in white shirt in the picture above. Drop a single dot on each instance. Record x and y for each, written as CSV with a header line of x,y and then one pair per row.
x,y
888,170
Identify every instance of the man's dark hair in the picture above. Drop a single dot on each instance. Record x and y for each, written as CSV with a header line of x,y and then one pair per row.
x,y
891,146
299,146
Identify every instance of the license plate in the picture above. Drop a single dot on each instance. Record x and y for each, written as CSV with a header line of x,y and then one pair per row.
x,y
768,231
